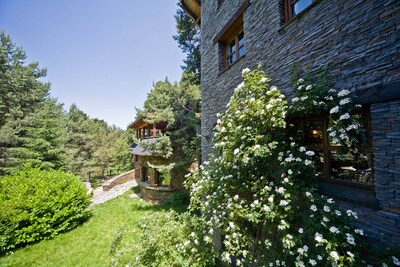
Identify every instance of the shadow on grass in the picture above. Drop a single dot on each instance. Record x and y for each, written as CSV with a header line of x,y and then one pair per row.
x,y
147,206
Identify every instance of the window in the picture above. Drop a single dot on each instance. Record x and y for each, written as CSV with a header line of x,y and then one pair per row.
x,y
234,50
331,162
342,175
294,7
231,39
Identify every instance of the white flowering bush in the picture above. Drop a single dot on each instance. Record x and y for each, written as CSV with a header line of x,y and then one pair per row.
x,y
313,97
258,196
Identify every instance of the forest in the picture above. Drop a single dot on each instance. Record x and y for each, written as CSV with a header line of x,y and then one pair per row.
x,y
37,131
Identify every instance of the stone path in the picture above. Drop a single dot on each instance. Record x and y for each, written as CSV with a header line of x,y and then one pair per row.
x,y
101,196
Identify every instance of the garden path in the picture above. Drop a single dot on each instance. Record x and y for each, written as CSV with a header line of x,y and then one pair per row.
x,y
101,196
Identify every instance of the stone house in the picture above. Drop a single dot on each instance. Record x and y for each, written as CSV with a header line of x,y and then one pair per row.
x,y
153,186
361,40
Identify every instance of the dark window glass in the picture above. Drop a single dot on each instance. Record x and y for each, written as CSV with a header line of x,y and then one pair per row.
x,y
330,160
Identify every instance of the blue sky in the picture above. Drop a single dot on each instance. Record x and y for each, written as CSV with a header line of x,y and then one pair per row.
x,y
103,55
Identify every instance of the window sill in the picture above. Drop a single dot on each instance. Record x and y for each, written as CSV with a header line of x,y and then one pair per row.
x,y
230,66
298,16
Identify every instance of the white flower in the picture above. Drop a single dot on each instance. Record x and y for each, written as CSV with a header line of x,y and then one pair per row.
x,y
239,87
264,79
334,230
283,203
266,208
350,254
359,231
319,257
312,262
350,239
338,213
308,194
327,209
334,110
303,98
227,257
301,230
273,89
352,213
334,255
343,93
295,99
245,71
395,261
236,151
290,172
302,149
301,80
344,116
330,201
309,87
344,101
236,197
310,153
307,162
318,238
313,208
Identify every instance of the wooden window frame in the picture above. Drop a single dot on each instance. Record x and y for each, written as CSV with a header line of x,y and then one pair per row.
x,y
227,45
289,4
359,193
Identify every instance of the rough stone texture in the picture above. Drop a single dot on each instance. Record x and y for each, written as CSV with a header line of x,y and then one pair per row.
x,y
119,179
156,195
360,38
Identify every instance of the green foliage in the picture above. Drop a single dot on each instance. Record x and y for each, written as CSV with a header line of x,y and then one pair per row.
x,y
314,96
188,39
179,105
20,88
180,198
37,205
259,193
163,242
41,138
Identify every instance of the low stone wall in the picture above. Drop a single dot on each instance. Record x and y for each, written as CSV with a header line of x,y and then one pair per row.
x,y
156,195
119,179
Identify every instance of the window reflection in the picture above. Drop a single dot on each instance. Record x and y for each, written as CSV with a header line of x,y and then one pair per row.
x,y
300,6
349,167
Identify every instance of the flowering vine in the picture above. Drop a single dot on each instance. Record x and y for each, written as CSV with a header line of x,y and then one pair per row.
x,y
314,97
258,196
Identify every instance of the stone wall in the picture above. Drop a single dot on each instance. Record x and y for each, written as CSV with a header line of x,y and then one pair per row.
x,y
362,42
156,195
119,179
360,38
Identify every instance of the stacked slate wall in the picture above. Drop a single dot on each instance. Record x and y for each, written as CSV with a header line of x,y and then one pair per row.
x,y
359,38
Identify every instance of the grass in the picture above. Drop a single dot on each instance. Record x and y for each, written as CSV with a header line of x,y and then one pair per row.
x,y
90,243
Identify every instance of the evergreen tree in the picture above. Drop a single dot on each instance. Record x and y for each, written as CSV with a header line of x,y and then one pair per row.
x,y
79,148
21,93
41,138
188,38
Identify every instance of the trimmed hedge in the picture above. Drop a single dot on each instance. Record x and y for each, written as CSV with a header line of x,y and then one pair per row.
x,y
37,205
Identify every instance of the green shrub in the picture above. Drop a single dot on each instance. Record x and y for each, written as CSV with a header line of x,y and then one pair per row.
x,y
168,239
180,198
37,205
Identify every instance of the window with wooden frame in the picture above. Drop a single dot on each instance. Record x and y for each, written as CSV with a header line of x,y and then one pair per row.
x,y
345,175
294,7
232,42
234,49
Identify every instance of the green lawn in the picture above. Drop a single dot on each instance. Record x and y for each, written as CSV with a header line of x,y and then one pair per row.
x,y
89,244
